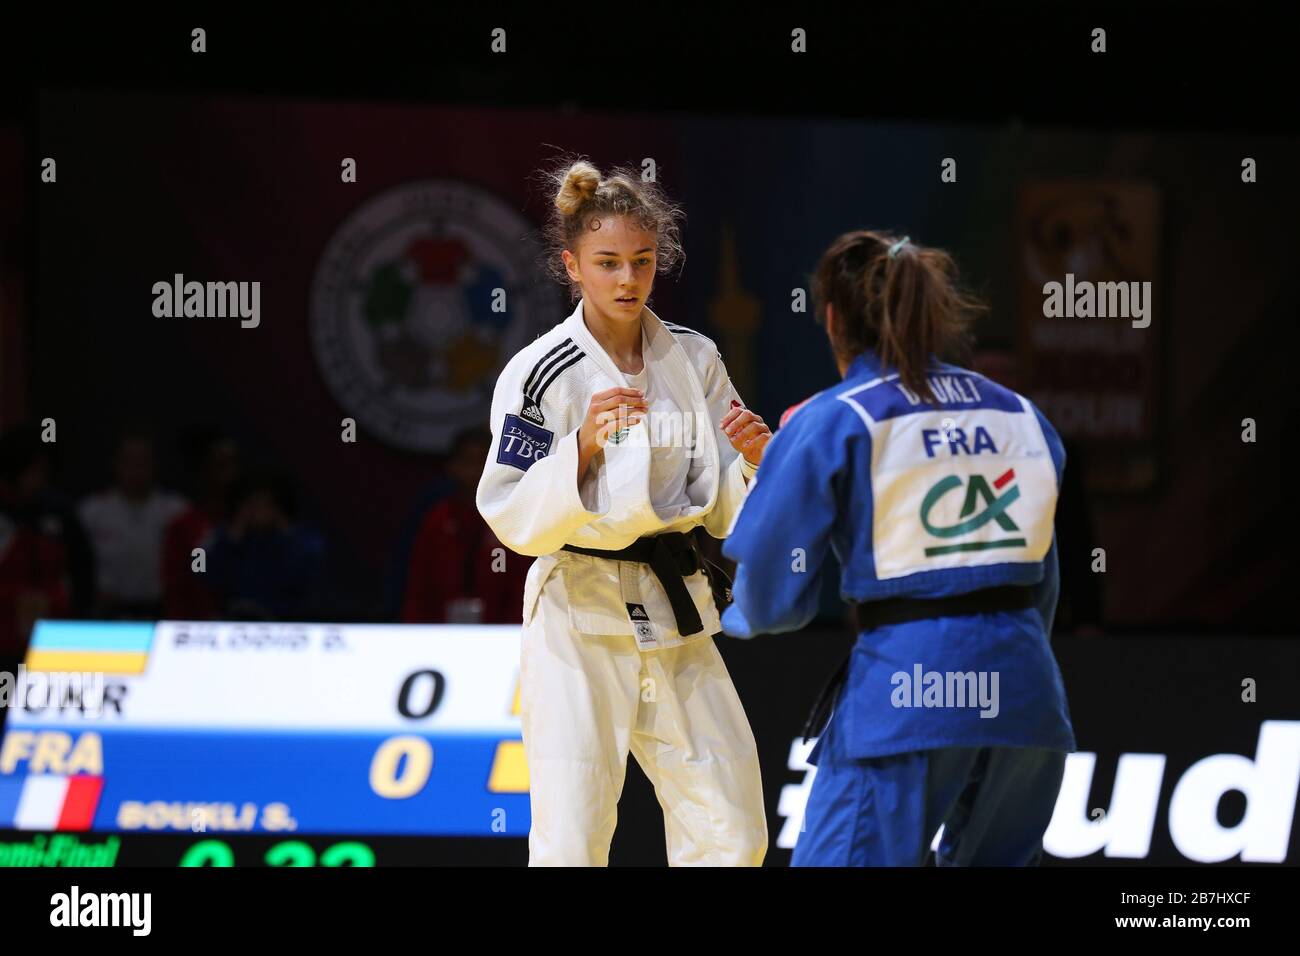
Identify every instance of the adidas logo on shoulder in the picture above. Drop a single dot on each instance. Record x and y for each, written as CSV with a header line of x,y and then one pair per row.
x,y
532,413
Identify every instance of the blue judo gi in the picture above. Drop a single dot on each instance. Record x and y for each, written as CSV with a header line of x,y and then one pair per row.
x,y
958,719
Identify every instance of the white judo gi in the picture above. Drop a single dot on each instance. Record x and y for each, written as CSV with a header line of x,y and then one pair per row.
x,y
603,668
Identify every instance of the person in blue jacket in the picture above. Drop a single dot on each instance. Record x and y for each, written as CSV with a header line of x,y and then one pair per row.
x,y
936,489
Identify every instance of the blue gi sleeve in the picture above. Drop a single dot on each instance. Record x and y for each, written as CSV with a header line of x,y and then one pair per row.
x,y
1048,591
781,538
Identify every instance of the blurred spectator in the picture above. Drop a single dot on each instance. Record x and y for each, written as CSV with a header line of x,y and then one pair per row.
x,y
262,564
46,565
399,561
1079,609
125,524
212,460
499,578
459,571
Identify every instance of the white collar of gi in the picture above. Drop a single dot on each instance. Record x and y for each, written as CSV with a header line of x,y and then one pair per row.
x,y
663,348
653,332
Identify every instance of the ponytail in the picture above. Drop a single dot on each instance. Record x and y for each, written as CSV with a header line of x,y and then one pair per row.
x,y
896,298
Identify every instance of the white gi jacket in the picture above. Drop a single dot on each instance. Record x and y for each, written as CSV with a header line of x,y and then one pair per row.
x,y
529,493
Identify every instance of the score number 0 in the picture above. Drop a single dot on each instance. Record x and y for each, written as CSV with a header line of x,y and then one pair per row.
x,y
402,765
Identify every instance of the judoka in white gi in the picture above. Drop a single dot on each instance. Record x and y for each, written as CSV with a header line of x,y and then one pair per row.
x,y
619,432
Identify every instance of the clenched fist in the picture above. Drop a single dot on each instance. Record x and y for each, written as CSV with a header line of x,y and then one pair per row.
x,y
609,411
747,432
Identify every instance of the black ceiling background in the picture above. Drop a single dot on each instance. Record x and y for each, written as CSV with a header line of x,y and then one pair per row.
x,y
1167,66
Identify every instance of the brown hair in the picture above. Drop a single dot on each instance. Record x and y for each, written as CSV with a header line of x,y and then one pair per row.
x,y
583,199
904,307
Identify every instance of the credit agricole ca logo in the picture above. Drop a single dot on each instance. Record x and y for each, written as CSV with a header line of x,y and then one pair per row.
x,y
992,503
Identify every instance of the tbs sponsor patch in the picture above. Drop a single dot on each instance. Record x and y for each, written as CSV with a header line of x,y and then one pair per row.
x,y
523,443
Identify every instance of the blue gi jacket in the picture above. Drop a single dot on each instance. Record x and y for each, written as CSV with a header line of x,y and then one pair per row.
x,y
922,501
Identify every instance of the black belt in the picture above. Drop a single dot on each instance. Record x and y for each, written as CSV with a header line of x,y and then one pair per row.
x,y
1008,597
874,614
672,557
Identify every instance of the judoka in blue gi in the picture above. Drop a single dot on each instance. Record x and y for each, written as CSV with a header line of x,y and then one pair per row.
x,y
936,489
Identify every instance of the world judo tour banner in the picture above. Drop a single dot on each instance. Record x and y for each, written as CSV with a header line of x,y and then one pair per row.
x,y
349,742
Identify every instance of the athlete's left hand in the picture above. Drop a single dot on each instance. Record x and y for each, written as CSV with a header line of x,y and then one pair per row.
x,y
747,433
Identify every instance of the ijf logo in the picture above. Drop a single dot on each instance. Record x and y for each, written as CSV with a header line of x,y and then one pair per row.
x,y
420,297
978,493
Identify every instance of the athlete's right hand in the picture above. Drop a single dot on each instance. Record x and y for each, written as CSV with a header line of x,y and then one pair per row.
x,y
609,411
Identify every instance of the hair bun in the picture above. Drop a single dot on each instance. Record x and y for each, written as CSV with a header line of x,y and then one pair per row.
x,y
579,184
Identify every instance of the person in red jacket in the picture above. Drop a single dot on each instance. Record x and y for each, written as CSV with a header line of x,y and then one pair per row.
x,y
459,571
500,578
46,564
213,459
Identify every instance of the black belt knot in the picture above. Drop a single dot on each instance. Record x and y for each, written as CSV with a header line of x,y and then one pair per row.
x,y
672,557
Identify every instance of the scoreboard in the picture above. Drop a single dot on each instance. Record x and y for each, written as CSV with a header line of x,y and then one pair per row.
x,y
215,730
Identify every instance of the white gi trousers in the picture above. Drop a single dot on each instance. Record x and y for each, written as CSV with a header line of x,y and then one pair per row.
x,y
586,700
